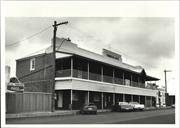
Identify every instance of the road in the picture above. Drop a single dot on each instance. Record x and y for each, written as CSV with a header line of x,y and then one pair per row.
x,y
145,117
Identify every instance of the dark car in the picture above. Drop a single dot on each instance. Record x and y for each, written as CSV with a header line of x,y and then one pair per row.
x,y
123,106
90,108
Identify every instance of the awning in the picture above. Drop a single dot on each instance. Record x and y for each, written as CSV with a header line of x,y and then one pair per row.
x,y
150,78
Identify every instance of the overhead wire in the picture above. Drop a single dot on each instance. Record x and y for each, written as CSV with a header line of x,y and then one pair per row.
x,y
37,51
73,28
29,37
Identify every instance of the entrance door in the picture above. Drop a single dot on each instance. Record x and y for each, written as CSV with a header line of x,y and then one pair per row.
x,y
105,101
108,101
60,99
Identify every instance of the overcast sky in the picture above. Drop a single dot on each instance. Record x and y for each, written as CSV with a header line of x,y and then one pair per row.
x,y
148,42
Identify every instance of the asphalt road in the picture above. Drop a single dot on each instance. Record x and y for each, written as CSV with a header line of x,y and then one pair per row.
x,y
163,119
145,117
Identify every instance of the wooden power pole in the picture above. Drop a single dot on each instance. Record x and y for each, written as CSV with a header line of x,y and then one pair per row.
x,y
54,62
165,71
166,94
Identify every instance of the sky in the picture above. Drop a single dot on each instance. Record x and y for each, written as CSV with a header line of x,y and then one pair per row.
x,y
148,42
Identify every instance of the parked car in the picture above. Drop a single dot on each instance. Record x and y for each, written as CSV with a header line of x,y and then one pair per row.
x,y
173,106
15,85
137,106
90,108
122,106
163,106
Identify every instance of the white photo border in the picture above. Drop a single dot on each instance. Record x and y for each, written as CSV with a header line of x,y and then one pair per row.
x,y
88,9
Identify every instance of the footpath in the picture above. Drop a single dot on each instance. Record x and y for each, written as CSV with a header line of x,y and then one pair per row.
x,y
64,113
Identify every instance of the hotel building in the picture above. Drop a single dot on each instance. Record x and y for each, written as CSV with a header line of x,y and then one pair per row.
x,y
83,76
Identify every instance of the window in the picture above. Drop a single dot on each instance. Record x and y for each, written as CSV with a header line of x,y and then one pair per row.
x,y
32,64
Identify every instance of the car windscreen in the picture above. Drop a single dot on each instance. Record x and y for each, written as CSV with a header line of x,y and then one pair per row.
x,y
134,103
14,80
123,103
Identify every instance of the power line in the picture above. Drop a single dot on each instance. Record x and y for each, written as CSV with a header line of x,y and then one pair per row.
x,y
37,51
31,36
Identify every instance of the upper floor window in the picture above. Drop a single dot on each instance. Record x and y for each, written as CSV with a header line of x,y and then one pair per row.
x,y
32,64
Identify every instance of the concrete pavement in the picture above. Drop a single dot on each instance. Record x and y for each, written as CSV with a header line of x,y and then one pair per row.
x,y
55,113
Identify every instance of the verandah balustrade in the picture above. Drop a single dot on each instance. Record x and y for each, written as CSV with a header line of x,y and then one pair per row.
x,y
96,77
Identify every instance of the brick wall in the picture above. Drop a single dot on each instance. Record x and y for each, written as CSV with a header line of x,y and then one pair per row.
x,y
40,79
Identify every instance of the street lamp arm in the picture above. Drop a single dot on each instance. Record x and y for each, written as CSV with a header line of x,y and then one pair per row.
x,y
167,70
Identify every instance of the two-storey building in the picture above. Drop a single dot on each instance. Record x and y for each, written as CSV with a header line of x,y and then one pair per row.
x,y
83,76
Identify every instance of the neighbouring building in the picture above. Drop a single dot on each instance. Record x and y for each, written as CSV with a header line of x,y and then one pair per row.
x,y
161,97
7,73
171,100
83,76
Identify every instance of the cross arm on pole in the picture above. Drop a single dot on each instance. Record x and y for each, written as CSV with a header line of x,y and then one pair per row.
x,y
55,25
167,70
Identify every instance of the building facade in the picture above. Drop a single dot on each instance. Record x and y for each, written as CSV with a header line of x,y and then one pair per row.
x,y
172,100
161,97
7,72
83,76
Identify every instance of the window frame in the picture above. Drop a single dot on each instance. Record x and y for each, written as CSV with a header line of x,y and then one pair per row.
x,y
32,64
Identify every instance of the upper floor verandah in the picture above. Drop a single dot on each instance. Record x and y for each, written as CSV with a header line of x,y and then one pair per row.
x,y
84,68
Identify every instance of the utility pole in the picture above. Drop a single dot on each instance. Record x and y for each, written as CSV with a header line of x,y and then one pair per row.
x,y
166,94
54,62
165,71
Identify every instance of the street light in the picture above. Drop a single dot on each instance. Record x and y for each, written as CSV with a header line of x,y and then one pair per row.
x,y
166,94
165,71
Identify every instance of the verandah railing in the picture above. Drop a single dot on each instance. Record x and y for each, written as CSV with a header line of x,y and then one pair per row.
x,y
97,77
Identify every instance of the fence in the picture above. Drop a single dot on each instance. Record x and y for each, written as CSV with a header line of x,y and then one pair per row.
x,y
28,102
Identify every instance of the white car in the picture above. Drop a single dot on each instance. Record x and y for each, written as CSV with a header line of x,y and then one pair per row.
x,y
15,85
137,106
